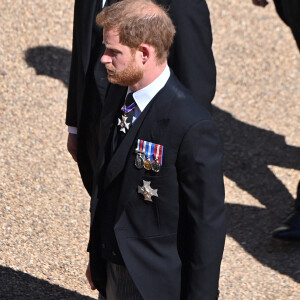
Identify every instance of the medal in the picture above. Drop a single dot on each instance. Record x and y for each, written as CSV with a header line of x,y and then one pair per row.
x,y
156,164
140,155
123,124
139,159
147,191
149,152
148,164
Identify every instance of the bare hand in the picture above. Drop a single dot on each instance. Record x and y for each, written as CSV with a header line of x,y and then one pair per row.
x,y
72,145
89,276
261,3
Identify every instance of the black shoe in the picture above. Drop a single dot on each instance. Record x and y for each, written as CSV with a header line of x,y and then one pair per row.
x,y
290,230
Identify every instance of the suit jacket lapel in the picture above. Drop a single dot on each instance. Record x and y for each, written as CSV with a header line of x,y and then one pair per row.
x,y
114,100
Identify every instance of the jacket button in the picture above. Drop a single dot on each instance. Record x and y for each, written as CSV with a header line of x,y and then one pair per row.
x,y
114,253
103,245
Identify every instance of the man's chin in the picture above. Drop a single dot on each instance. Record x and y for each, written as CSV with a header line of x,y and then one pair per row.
x,y
114,80
122,81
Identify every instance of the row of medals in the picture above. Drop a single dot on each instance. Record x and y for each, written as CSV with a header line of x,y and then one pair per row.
x,y
141,162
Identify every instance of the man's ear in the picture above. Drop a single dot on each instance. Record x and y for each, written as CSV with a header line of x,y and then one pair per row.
x,y
146,52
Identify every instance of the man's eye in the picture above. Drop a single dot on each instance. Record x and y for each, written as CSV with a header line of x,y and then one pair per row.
x,y
113,52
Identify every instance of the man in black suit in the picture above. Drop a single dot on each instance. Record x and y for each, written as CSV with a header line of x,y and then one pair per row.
x,y
190,58
289,12
157,206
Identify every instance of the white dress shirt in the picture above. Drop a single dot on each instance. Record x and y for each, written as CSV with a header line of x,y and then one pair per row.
x,y
145,95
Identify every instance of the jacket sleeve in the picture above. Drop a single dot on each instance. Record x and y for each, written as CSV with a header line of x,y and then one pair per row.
x,y
203,226
71,114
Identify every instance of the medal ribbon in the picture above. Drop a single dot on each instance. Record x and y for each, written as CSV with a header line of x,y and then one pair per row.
x,y
151,150
138,145
127,109
158,153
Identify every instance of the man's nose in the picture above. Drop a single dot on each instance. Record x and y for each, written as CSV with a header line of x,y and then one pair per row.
x,y
105,58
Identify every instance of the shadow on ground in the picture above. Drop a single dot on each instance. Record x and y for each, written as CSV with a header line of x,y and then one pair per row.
x,y
248,151
50,61
16,285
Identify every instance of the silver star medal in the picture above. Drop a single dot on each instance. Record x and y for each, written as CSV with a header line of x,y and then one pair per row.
x,y
123,124
147,191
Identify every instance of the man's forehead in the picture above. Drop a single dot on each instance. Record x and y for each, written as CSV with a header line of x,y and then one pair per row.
x,y
111,33
111,39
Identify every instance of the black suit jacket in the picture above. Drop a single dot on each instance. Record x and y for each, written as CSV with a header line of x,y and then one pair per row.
x,y
190,57
173,245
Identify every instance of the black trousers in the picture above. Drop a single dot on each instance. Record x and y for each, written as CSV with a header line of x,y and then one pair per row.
x,y
289,12
119,285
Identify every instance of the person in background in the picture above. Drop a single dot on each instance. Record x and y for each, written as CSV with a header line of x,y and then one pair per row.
x,y
289,12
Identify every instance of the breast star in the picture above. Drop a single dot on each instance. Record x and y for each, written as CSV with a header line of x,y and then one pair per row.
x,y
147,191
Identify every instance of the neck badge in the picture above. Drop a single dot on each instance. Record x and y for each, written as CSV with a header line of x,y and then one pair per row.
x,y
147,191
122,122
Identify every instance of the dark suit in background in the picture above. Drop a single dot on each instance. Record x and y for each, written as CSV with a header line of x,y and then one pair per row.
x,y
289,12
190,57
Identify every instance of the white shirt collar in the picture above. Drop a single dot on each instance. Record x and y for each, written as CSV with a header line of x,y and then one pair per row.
x,y
145,95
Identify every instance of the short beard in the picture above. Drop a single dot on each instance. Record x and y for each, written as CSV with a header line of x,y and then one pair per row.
x,y
128,77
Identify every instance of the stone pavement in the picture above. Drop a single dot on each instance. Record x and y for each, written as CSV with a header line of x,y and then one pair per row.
x,y
44,215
